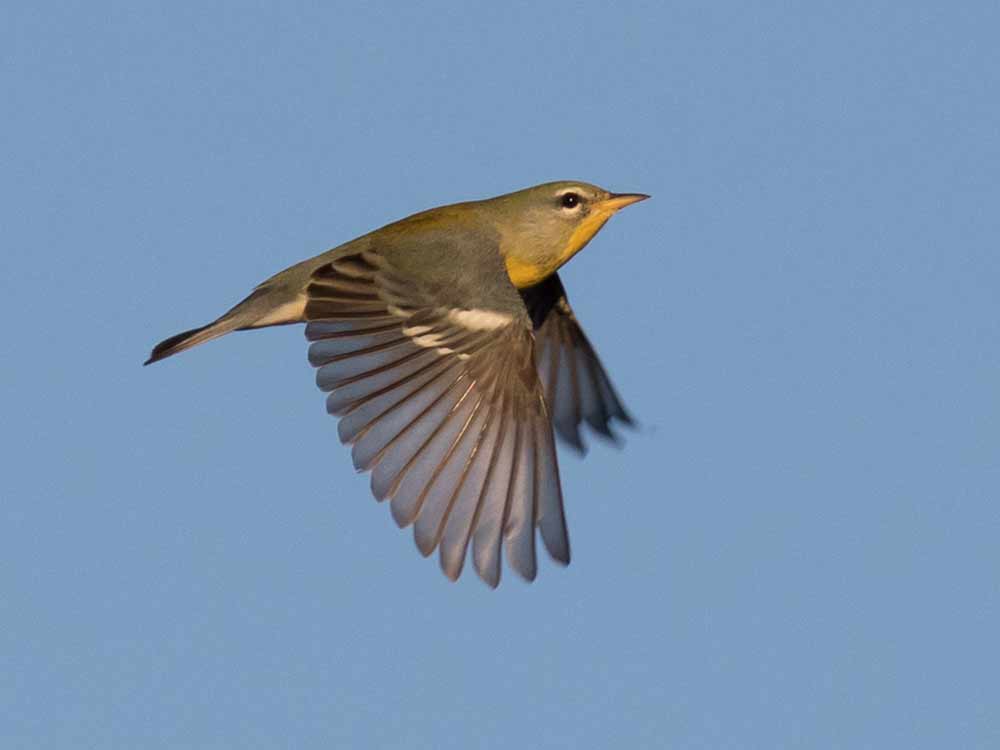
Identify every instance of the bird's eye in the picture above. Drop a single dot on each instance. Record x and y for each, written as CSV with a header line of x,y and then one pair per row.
x,y
569,200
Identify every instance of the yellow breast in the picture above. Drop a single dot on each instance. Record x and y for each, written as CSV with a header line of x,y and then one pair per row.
x,y
523,274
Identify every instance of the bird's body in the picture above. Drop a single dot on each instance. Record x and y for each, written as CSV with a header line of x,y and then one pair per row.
x,y
449,350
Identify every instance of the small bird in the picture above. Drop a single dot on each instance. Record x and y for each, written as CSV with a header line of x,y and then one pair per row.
x,y
449,352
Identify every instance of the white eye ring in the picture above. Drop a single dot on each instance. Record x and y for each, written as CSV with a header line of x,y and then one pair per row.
x,y
569,200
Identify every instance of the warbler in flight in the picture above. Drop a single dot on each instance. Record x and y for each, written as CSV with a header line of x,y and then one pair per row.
x,y
450,354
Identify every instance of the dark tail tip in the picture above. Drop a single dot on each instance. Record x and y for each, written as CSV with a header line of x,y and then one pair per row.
x,y
172,345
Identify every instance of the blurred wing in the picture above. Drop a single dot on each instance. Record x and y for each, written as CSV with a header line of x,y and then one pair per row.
x,y
443,405
577,388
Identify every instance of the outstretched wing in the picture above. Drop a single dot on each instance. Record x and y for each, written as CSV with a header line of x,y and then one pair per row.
x,y
577,388
443,405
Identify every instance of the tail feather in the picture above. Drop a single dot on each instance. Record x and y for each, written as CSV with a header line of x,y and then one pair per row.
x,y
266,306
174,344
185,340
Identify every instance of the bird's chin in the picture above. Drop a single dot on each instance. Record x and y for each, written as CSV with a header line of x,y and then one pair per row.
x,y
585,232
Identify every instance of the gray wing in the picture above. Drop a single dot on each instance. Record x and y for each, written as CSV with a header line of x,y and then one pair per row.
x,y
443,405
577,388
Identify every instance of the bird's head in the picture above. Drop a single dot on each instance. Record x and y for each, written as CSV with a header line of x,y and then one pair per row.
x,y
542,227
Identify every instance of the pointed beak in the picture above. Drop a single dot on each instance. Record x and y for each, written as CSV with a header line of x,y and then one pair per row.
x,y
617,201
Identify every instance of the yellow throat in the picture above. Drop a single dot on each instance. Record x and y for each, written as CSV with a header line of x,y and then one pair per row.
x,y
524,272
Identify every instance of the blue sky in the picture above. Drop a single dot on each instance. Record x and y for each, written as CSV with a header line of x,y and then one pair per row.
x,y
798,548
